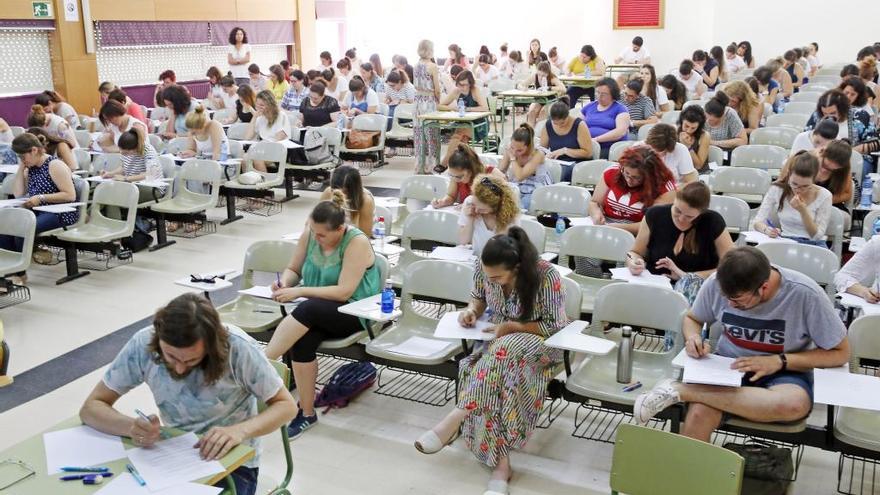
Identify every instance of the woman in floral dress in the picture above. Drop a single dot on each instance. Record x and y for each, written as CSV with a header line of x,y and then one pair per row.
x,y
427,83
504,381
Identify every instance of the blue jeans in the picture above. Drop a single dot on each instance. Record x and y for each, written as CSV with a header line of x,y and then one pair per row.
x,y
45,221
575,92
245,480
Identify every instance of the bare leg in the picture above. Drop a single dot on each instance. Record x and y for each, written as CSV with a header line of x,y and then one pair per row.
x,y
447,427
533,114
502,470
289,331
259,165
701,421
305,375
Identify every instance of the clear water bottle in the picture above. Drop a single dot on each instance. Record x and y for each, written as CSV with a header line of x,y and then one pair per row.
x,y
587,72
388,299
379,231
560,225
461,107
624,356
867,192
340,123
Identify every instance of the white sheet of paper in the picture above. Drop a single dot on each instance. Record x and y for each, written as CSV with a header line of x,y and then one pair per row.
x,y
445,208
755,237
419,346
448,328
713,166
580,221
81,446
8,169
155,184
388,202
292,237
263,291
125,484
853,300
457,253
60,208
548,256
846,389
646,278
12,203
172,462
856,243
711,370
98,178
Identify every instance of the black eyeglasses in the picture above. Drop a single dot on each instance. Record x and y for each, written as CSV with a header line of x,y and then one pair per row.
x,y
491,185
206,280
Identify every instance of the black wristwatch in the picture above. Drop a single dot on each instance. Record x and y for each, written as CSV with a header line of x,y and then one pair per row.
x,y
784,362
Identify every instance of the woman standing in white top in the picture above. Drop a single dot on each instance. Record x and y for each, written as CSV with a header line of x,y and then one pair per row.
x,y
491,209
860,275
239,55
794,206
206,137
270,124
53,124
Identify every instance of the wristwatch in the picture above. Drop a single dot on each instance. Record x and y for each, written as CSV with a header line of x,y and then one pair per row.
x,y
784,362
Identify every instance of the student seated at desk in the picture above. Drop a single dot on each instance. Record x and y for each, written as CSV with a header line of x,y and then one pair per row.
x,y
735,63
768,88
44,180
335,264
401,63
484,71
52,124
556,62
778,324
504,381
860,275
212,99
544,79
371,78
524,164
398,90
228,96
635,53
568,138
663,139
269,124
204,379
855,124
166,79
641,108
607,118
6,136
725,128
360,207
140,161
55,103
117,120
744,50
535,56
131,107
464,167
474,101
336,83
676,93
456,57
299,91
781,76
692,81
742,99
256,79
683,241
206,137
652,89
587,58
56,147
491,209
277,82
693,135
834,161
244,105
825,131
318,109
519,69
794,206
360,99
707,68
179,103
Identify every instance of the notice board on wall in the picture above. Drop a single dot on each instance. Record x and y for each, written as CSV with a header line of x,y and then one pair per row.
x,y
638,14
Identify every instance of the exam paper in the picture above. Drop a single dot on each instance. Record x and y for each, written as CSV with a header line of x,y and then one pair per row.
x,y
125,484
755,237
263,291
848,299
846,389
82,446
448,328
58,208
711,370
420,347
645,278
457,253
172,462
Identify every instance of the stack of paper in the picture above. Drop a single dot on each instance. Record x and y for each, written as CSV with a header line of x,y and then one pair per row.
x,y
852,300
579,221
457,253
8,169
125,484
449,328
172,462
80,446
419,347
262,291
711,370
12,203
755,237
645,278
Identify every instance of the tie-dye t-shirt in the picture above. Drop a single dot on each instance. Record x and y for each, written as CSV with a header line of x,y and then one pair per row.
x,y
189,404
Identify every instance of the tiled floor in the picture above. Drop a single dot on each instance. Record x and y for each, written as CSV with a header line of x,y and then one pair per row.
x,y
363,449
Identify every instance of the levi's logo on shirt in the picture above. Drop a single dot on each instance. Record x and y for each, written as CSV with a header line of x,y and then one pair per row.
x,y
755,334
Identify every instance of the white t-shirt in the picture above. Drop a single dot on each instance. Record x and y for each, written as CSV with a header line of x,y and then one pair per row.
x,y
341,87
372,99
678,161
690,84
482,233
735,64
229,101
268,133
485,76
239,71
662,97
803,141
631,57
68,113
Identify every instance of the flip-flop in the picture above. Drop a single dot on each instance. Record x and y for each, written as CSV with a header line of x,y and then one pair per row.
x,y
430,443
497,487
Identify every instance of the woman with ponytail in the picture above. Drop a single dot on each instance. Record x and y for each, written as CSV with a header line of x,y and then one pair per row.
x,y
503,382
333,264
360,207
52,124
524,165
464,167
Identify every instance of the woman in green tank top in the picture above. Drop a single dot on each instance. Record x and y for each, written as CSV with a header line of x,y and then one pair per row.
x,y
335,264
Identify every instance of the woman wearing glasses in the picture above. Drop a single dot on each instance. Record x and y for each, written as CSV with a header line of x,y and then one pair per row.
x,y
491,209
464,167
795,206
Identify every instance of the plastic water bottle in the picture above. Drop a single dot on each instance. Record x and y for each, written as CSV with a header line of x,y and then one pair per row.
x,y
624,356
388,299
461,107
587,72
867,192
340,122
560,225
379,232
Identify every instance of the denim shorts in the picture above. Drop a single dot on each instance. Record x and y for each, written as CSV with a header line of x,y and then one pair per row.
x,y
801,379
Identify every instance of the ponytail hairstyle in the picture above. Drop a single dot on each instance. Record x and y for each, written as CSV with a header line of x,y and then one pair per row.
x,y
254,69
278,73
717,53
197,119
514,251
526,135
696,195
347,179
465,158
838,151
802,164
37,116
330,212
49,143
246,94
717,105
495,193
130,140
654,171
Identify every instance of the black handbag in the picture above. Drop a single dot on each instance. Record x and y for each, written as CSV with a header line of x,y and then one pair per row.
x,y
768,470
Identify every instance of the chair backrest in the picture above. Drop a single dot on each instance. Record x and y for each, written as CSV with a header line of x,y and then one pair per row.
x,y
83,159
816,262
199,171
82,196
16,130
537,233
595,241
777,136
686,466
420,189
832,79
405,111
554,169
573,298
618,148
370,122
177,145
834,231
238,131
864,340
437,279
430,225
741,180
19,222
284,373
762,156
589,173
268,151
83,138
500,84
734,211
265,257
856,167
114,193
670,117
562,199
812,87
596,148
795,120
106,161
801,107
644,130
868,224
157,142
658,307
804,96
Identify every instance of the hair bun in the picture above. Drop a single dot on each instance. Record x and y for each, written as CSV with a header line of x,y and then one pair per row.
x,y
337,197
37,108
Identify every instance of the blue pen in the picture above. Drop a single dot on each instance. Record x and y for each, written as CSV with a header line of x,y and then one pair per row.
x,y
147,419
135,475
634,386
278,279
73,469
74,477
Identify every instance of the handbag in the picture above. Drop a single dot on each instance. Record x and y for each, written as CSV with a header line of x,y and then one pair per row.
x,y
768,468
359,140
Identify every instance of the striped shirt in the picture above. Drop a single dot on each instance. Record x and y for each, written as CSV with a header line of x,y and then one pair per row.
x,y
139,164
641,109
729,128
407,92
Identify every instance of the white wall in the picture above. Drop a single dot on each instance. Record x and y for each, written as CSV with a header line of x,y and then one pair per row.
x,y
396,26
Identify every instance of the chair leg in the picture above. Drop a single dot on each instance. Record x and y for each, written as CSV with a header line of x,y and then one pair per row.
x,y
161,234
230,209
72,264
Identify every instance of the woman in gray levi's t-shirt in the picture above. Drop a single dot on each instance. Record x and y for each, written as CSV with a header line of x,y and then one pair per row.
x,y
799,317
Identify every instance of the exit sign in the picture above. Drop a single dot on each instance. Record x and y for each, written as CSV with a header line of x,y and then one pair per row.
x,y
42,10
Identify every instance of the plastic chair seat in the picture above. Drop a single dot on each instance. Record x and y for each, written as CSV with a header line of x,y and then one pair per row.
x,y
184,204
247,313
792,427
12,262
91,232
414,326
276,181
400,135
344,342
857,427
596,377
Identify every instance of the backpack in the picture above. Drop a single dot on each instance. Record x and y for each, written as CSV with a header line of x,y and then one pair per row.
x,y
346,384
316,148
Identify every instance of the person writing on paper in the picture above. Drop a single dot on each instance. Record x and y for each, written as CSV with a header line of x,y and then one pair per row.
x,y
139,162
794,206
504,381
464,167
206,137
683,241
567,138
544,80
692,134
524,164
56,147
490,210
860,275
607,118
360,207
663,139
205,379
777,323
334,265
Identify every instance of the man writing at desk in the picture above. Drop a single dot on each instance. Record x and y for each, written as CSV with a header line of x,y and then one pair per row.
x,y
204,379
778,324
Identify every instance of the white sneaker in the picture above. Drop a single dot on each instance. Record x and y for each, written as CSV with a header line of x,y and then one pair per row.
x,y
654,401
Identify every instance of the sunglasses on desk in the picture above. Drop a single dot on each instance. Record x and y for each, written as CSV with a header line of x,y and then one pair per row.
x,y
206,280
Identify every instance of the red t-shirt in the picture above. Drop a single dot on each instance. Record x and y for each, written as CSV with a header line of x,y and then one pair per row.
x,y
463,189
623,203
135,111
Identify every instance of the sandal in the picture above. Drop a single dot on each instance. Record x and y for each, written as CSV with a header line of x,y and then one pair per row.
x,y
497,487
430,443
439,169
42,256
172,227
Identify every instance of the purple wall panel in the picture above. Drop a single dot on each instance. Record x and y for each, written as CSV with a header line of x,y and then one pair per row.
x,y
27,23
136,33
143,94
14,109
258,32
